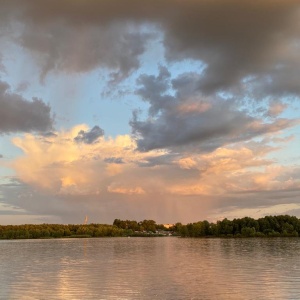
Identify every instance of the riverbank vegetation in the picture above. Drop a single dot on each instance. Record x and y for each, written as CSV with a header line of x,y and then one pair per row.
x,y
269,226
30,231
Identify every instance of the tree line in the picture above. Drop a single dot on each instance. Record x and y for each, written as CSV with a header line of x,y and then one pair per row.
x,y
145,225
269,226
29,231
118,229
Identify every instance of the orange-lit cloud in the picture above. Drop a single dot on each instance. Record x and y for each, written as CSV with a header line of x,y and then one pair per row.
x,y
194,106
63,166
205,108
115,188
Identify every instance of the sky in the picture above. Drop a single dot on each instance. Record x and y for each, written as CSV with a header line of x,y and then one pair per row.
x,y
176,111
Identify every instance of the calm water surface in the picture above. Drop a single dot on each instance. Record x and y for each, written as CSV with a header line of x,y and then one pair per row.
x,y
150,268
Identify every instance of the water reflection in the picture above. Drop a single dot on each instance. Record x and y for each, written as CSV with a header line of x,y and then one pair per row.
x,y
150,268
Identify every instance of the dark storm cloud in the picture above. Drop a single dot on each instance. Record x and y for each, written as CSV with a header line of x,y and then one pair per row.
x,y
250,199
23,86
233,38
83,49
282,80
48,134
219,126
18,114
191,119
2,67
153,90
166,159
114,160
72,37
89,137
25,197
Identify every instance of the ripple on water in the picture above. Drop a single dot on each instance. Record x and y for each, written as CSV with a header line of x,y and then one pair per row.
x,y
150,268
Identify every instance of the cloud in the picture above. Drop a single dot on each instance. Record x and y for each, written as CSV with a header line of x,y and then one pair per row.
x,y
2,67
89,137
125,190
1,156
114,160
153,90
58,163
20,115
190,119
48,134
276,108
210,136
258,211
234,39
72,38
158,160
57,176
23,86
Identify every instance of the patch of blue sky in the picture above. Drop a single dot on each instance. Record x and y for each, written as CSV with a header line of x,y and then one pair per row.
x,y
154,57
105,104
293,108
6,147
74,98
288,149
8,152
288,154
186,66
287,144
226,95
19,68
89,97
5,174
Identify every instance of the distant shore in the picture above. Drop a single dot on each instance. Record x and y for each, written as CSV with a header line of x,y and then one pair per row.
x,y
268,226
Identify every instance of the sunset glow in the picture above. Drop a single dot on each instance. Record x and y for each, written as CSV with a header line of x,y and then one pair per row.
x,y
173,111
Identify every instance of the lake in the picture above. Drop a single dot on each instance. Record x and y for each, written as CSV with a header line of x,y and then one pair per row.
x,y
150,268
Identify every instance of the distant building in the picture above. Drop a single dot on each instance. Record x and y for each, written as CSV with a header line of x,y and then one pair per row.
x,y
168,225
